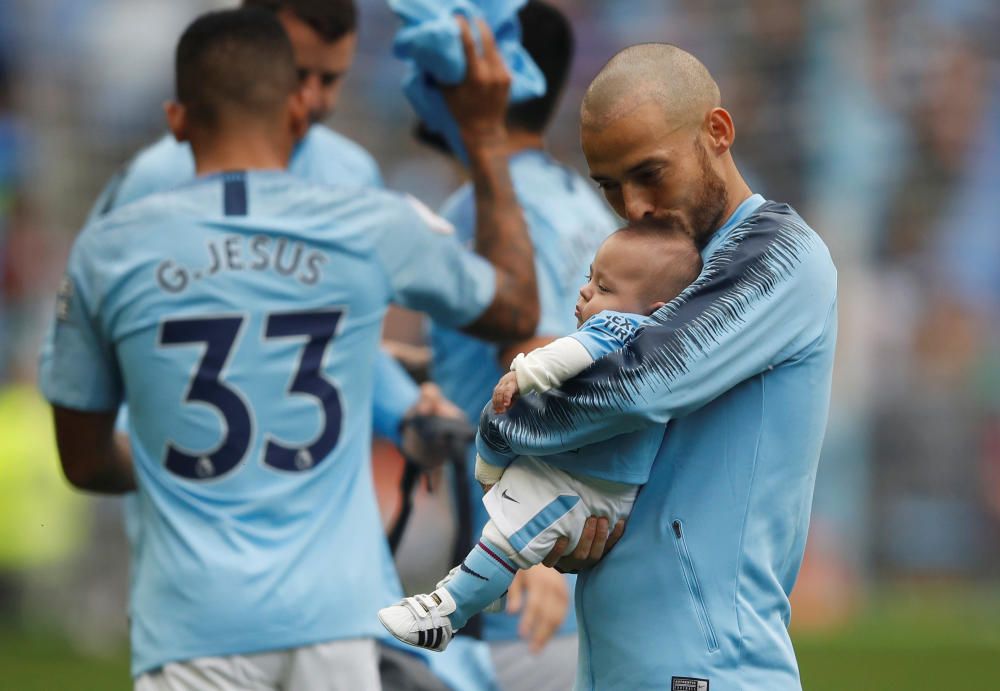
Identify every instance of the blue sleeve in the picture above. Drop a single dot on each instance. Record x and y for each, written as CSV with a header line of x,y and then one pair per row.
x,y
395,393
764,296
78,366
157,168
558,272
428,269
607,332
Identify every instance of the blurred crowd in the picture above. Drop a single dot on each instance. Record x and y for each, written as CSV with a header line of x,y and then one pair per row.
x,y
879,120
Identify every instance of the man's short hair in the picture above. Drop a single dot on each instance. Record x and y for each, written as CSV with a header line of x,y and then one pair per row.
x,y
548,38
331,19
234,62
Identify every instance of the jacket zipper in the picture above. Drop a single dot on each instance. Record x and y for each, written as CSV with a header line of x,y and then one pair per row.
x,y
694,587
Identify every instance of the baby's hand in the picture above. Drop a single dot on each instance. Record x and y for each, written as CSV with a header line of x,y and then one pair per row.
x,y
505,393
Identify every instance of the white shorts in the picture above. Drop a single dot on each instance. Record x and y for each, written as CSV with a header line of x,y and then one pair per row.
x,y
348,665
534,504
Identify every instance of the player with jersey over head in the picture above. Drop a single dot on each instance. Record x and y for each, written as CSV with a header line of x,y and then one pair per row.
x,y
532,645
238,316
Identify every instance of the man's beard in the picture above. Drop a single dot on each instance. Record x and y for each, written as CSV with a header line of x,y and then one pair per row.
x,y
710,203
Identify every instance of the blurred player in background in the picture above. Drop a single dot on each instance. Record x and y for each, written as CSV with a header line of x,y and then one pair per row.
x,y
238,316
695,595
534,643
323,34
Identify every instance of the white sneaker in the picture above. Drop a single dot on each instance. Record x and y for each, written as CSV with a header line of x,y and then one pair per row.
x,y
498,605
421,620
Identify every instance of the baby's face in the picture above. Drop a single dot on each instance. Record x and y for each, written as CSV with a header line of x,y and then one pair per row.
x,y
617,281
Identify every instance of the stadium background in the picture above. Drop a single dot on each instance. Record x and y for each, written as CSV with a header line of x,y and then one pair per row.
x,y
879,120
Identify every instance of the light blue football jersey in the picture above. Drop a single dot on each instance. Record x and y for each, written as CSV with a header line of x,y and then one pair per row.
x,y
324,157
567,221
238,316
740,366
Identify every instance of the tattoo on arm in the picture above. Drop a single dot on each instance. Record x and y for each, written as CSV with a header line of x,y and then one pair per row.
x,y
502,238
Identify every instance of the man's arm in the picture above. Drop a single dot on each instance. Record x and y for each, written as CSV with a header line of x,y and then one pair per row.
x,y
766,295
479,105
93,457
510,352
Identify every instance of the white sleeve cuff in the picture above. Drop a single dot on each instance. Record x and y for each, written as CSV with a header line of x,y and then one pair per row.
x,y
486,473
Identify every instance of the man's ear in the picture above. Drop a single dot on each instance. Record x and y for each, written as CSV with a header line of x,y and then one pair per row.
x,y
298,114
177,120
721,130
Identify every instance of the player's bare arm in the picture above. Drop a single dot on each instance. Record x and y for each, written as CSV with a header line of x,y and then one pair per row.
x,y
479,105
507,354
93,457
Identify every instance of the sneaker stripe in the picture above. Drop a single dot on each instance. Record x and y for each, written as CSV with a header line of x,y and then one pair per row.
x,y
420,638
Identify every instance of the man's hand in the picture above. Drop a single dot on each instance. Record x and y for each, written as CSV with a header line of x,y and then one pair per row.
x,y
479,106
505,393
594,544
542,597
431,403
94,458
479,103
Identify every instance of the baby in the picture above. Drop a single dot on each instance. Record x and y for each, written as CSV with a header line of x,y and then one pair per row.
x,y
533,502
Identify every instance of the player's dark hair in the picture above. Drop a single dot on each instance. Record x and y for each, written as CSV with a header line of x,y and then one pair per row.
x,y
547,36
234,61
331,19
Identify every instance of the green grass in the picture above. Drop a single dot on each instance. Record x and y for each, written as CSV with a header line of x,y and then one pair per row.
x,y
923,639
42,661
913,639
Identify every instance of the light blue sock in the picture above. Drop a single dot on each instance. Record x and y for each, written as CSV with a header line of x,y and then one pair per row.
x,y
484,576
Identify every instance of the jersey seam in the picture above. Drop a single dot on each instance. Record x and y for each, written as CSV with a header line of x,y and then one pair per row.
x,y
743,524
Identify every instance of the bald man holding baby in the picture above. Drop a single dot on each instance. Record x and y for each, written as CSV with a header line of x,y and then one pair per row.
x,y
735,371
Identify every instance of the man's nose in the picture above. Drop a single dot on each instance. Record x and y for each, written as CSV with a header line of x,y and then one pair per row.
x,y
313,91
637,202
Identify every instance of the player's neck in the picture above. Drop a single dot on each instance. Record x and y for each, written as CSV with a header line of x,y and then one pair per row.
x,y
738,192
248,151
520,140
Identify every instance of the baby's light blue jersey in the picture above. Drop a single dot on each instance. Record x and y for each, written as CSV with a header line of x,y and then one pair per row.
x,y
239,316
567,222
626,458
607,332
740,367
